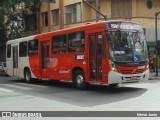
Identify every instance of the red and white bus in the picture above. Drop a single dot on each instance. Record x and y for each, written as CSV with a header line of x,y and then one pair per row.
x,y
109,52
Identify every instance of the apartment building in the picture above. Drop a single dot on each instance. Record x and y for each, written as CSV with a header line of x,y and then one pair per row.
x,y
58,14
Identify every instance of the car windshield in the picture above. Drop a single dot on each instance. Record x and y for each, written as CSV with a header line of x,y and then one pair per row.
x,y
127,46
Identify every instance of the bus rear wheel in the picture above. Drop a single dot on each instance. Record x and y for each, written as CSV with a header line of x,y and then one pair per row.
x,y
79,80
27,76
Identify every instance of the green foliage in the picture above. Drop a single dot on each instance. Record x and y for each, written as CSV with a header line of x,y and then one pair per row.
x,y
12,17
2,31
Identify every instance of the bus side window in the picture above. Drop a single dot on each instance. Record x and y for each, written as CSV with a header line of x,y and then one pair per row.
x,y
23,49
8,50
33,48
76,42
59,44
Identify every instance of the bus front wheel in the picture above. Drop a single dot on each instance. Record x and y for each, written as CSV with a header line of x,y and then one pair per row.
x,y
79,80
27,76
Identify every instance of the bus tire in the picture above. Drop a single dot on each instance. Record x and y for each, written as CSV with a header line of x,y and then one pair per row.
x,y
79,80
27,76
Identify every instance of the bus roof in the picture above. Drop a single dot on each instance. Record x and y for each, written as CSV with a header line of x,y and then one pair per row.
x,y
21,39
122,21
86,26
73,29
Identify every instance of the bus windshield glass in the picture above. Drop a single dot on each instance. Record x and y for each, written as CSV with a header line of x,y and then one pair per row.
x,y
127,45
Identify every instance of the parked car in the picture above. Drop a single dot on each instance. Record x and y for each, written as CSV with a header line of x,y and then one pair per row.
x,y
2,68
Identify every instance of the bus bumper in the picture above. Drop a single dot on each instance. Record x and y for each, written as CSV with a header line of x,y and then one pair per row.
x,y
115,77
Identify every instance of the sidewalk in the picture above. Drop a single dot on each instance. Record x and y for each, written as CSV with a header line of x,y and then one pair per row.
x,y
152,76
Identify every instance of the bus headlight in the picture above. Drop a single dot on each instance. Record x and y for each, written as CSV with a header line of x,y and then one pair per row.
x,y
113,66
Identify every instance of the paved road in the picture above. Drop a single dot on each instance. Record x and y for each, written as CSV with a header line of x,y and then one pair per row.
x,y
16,95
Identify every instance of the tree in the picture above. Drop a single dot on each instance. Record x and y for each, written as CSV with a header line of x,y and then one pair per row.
x,y
12,15
30,15
2,28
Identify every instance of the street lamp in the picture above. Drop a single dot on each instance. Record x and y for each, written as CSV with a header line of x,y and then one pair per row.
x,y
156,15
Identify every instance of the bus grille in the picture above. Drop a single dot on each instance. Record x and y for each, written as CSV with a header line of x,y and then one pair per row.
x,y
131,71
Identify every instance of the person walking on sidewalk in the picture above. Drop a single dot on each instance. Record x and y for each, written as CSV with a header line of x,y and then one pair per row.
x,y
151,63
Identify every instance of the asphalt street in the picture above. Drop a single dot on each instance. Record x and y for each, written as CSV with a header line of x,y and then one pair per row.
x,y
16,95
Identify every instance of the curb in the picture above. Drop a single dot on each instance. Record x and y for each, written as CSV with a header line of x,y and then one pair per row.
x,y
154,78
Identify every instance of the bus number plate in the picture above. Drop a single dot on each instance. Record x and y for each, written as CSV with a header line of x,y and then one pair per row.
x,y
80,57
134,78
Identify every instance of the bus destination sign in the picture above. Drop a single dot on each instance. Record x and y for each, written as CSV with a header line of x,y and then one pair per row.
x,y
124,25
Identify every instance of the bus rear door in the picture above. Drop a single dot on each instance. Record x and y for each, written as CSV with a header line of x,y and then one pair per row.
x,y
44,59
15,60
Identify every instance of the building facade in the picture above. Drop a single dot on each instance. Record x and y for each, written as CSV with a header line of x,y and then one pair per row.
x,y
59,14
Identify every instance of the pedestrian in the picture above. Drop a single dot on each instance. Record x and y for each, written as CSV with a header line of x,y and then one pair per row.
x,y
151,63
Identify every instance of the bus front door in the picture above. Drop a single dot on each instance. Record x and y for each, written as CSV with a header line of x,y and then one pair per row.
x,y
44,59
96,55
15,60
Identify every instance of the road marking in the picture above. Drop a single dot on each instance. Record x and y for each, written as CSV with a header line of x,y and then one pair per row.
x,y
6,90
40,86
15,86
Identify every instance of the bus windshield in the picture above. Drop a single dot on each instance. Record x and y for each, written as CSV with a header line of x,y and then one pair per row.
x,y
127,46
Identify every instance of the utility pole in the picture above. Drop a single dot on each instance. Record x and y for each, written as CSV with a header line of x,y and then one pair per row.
x,y
156,15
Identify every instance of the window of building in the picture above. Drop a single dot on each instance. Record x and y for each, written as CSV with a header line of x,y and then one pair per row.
x,y
121,8
8,50
73,13
45,19
59,44
33,48
55,16
76,42
23,49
